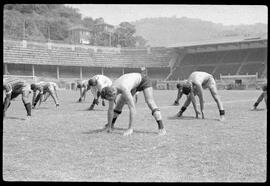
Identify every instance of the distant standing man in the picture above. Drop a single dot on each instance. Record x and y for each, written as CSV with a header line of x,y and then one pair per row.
x,y
195,84
262,96
126,86
42,88
13,88
96,84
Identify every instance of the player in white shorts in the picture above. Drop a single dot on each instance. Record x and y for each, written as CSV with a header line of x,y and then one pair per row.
x,y
42,88
96,84
13,88
194,86
126,86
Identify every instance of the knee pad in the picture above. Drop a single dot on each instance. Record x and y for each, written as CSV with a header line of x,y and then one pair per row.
x,y
154,110
117,111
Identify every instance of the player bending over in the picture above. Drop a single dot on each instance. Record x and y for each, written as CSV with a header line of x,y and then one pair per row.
x,y
126,86
13,88
42,88
194,86
83,86
262,96
179,87
47,94
96,84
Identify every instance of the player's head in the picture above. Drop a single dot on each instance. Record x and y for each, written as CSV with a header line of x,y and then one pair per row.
x,y
33,86
179,86
108,93
186,87
92,82
79,85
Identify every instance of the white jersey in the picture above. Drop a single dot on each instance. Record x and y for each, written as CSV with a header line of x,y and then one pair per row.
x,y
102,81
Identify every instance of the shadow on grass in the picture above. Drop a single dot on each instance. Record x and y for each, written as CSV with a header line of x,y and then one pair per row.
x,y
260,109
10,117
189,118
118,130
87,109
41,108
181,118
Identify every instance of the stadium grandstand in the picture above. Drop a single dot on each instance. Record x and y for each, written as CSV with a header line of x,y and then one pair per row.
x,y
172,63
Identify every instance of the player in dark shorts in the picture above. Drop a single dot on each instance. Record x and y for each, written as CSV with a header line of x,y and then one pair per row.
x,y
194,86
126,87
262,96
13,88
42,88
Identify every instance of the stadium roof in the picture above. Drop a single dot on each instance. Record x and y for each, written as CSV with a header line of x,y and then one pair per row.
x,y
225,40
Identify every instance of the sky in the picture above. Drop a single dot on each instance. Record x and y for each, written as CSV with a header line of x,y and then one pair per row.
x,y
224,14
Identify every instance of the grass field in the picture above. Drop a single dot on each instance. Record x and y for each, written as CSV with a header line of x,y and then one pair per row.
x,y
66,144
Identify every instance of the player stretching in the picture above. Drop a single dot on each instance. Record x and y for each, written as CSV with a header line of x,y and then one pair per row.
x,y
47,94
195,84
179,87
83,86
262,96
42,88
127,85
96,84
13,88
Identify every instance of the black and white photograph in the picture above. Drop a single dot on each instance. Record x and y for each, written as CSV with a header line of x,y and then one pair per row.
x,y
135,93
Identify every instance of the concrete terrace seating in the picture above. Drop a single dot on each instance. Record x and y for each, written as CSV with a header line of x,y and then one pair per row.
x,y
226,69
252,68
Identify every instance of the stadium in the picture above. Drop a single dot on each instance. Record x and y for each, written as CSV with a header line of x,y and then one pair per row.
x,y
68,144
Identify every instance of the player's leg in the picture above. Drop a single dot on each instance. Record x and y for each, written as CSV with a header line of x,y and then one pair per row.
x,y
213,91
84,94
260,98
149,99
46,96
27,101
53,94
265,98
81,91
7,102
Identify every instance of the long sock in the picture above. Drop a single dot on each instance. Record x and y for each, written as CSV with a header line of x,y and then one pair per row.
x,y
28,108
160,124
222,112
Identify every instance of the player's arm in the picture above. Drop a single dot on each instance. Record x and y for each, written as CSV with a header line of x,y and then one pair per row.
x,y
131,106
179,95
200,95
36,98
110,115
132,111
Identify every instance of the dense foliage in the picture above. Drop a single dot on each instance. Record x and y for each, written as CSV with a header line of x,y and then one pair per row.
x,y
53,21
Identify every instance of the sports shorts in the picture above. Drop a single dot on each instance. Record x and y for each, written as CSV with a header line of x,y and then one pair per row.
x,y
145,83
209,83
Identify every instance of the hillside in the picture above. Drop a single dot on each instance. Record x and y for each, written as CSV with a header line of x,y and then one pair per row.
x,y
166,31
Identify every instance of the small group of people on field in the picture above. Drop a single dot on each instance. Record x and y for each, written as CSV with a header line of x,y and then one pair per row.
x,y
123,90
